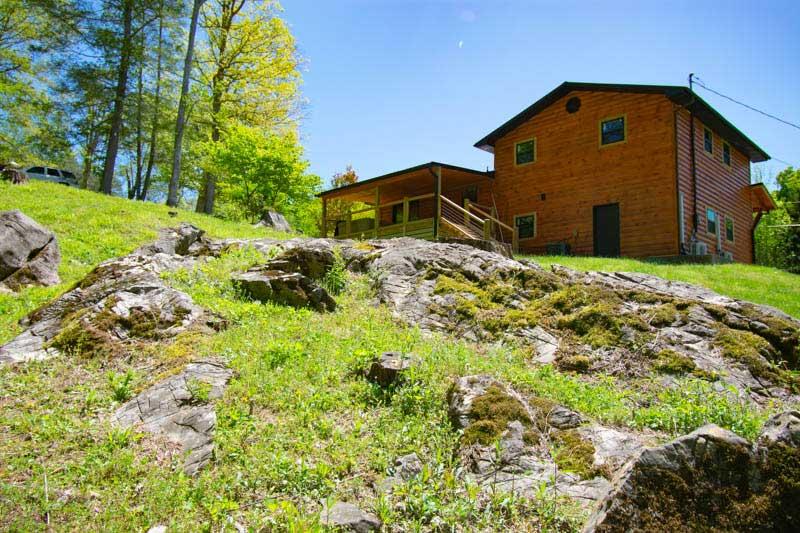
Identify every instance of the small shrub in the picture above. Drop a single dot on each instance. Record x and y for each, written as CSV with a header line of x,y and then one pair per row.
x,y
335,279
120,385
199,390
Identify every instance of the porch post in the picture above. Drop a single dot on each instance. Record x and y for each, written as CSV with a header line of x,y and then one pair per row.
x,y
377,209
515,240
324,217
405,214
437,170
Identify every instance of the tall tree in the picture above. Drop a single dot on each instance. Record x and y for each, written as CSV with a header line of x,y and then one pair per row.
x,y
154,127
180,124
126,49
250,72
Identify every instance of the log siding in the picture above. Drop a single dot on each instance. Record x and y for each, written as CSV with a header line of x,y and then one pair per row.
x,y
574,172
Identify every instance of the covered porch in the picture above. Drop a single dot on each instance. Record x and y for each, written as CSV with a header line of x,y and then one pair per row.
x,y
430,201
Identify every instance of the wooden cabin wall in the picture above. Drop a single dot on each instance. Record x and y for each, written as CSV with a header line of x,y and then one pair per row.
x,y
719,187
572,173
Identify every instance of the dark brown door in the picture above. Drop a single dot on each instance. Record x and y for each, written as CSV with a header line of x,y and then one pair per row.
x,y
606,230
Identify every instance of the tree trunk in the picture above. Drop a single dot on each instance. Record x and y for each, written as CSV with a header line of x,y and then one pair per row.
x,y
119,97
172,197
205,202
151,158
137,182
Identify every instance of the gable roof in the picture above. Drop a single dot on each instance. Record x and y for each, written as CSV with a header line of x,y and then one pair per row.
x,y
678,94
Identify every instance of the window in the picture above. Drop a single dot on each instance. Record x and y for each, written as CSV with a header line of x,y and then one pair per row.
x,y
708,141
36,170
525,152
53,172
68,174
526,225
413,212
729,228
726,153
612,130
711,221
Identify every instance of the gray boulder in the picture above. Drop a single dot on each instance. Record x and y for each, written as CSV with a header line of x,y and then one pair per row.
x,y
389,367
180,408
29,253
348,517
174,240
273,219
293,289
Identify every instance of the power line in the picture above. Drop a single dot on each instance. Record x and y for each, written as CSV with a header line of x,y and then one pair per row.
x,y
701,84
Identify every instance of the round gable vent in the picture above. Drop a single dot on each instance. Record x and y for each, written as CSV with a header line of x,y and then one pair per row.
x,y
573,104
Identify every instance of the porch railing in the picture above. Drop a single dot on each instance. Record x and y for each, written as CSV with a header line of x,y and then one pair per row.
x,y
476,223
471,221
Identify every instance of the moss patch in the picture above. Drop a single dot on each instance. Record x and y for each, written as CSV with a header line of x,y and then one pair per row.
x,y
490,414
574,363
672,362
748,348
572,453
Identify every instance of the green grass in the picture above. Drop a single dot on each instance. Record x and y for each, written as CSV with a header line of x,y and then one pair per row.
x,y
298,424
758,284
91,228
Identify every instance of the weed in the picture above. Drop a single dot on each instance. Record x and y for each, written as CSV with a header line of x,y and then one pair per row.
x,y
335,279
120,385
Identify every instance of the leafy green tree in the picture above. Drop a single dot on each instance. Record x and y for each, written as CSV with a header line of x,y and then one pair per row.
x,y
249,71
260,171
778,234
31,130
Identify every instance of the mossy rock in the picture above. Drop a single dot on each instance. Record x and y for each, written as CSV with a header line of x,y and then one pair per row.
x,y
664,315
596,324
572,453
672,362
749,349
490,414
574,363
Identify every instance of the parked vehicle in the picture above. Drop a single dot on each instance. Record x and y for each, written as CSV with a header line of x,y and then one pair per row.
x,y
64,177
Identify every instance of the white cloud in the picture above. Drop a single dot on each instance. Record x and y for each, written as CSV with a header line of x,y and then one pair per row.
x,y
461,44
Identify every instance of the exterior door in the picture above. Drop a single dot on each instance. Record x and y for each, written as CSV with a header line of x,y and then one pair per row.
x,y
606,230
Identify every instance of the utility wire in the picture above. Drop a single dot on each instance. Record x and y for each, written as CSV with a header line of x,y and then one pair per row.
x,y
701,84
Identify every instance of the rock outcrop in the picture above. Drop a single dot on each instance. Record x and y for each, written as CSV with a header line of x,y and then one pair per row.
x,y
181,408
518,444
347,517
120,303
293,289
29,253
711,480
388,368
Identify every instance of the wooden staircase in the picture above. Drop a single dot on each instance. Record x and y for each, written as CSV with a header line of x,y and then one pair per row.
x,y
473,222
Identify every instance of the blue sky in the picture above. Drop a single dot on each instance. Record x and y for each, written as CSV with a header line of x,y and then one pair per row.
x,y
391,84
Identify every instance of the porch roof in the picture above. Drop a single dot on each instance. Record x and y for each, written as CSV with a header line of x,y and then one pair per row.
x,y
760,198
410,180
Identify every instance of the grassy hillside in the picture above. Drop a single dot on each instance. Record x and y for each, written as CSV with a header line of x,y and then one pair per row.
x,y
91,228
759,284
297,427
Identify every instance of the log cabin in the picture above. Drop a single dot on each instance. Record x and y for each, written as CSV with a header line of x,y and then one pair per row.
x,y
647,171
